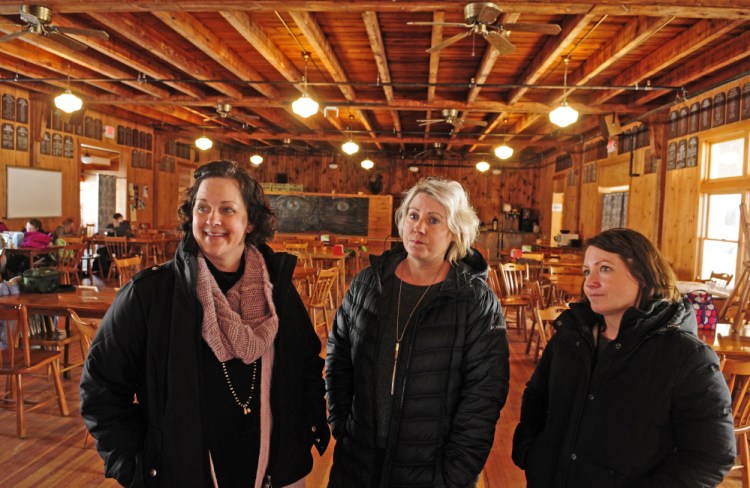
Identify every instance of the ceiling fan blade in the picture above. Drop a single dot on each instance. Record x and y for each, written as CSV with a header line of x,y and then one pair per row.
x,y
99,34
429,122
549,29
449,24
12,36
475,123
488,13
500,42
449,41
66,41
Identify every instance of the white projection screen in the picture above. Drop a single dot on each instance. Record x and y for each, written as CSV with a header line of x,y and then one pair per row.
x,y
33,192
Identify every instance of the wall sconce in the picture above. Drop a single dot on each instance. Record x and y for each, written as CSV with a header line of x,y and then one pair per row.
x,y
305,106
367,164
564,114
504,151
256,159
204,143
483,166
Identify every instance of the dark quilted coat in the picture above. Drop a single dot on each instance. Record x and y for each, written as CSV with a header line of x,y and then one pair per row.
x,y
452,381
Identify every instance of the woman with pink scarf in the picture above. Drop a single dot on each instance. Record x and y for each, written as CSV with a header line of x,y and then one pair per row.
x,y
218,350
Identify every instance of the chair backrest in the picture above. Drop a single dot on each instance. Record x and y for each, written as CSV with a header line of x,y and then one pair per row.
x,y
127,268
737,374
14,320
514,277
303,258
322,286
117,247
70,256
721,279
494,282
87,329
296,246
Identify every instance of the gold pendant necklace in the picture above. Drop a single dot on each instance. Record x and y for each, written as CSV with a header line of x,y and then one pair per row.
x,y
400,336
246,407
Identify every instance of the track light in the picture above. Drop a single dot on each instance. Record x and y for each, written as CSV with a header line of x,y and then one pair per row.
x,y
504,151
564,115
256,159
483,166
203,143
367,164
305,106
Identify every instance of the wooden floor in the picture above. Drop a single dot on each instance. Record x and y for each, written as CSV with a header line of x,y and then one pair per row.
x,y
52,455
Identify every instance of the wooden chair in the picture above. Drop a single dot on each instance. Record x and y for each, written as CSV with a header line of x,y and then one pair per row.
x,y
494,282
68,262
319,297
127,268
304,272
737,374
88,331
720,279
117,248
18,359
513,297
44,333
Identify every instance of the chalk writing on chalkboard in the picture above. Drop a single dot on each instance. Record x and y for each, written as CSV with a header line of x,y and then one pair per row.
x,y
320,213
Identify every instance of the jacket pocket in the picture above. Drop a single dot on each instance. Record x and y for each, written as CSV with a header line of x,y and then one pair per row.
x,y
149,462
590,475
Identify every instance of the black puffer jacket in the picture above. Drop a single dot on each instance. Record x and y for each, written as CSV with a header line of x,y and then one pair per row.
x,y
149,344
451,383
655,412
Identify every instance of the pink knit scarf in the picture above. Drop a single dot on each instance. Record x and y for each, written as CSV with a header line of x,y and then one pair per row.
x,y
242,324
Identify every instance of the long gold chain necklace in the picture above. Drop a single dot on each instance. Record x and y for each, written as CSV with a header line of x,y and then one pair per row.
x,y
246,407
400,336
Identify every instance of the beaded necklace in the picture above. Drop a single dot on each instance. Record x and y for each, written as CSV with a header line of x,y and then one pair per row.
x,y
246,409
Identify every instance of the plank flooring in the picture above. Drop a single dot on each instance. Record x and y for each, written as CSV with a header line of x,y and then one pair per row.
x,y
52,456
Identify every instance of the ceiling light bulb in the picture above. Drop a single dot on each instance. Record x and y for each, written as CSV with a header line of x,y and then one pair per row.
x,y
256,159
68,102
350,147
203,143
367,164
414,169
483,166
504,151
564,115
305,106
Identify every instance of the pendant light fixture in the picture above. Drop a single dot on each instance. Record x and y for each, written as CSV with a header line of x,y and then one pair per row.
x,y
256,159
350,147
305,106
483,166
504,151
564,114
367,164
67,101
204,143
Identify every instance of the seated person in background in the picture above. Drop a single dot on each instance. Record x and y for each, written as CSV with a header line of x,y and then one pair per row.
x,y
66,229
124,230
111,229
33,238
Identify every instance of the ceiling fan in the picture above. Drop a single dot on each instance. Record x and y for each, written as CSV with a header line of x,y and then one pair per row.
x,y
437,152
38,21
450,116
481,18
286,147
224,110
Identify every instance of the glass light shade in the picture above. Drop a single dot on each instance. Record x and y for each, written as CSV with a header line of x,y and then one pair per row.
x,y
86,158
333,165
497,171
350,147
414,169
367,164
483,166
305,106
256,159
67,102
204,143
564,115
504,151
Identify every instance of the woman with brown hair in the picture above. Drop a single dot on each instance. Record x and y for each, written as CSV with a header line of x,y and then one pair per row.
x,y
625,393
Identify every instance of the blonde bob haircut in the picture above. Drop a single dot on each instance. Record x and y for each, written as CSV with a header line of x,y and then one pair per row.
x,y
463,222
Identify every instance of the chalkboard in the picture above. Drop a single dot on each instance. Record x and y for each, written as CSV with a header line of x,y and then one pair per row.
x,y
33,192
321,213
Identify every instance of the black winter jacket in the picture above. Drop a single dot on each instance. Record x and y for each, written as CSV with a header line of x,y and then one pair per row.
x,y
452,381
149,344
655,412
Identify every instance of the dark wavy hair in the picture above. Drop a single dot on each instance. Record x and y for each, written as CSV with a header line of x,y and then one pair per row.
x,y
36,223
643,260
259,211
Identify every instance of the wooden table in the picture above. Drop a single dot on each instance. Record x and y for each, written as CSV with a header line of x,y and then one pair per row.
x,y
734,345
32,253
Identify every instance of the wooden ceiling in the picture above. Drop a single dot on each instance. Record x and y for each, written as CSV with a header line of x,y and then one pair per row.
x,y
170,63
